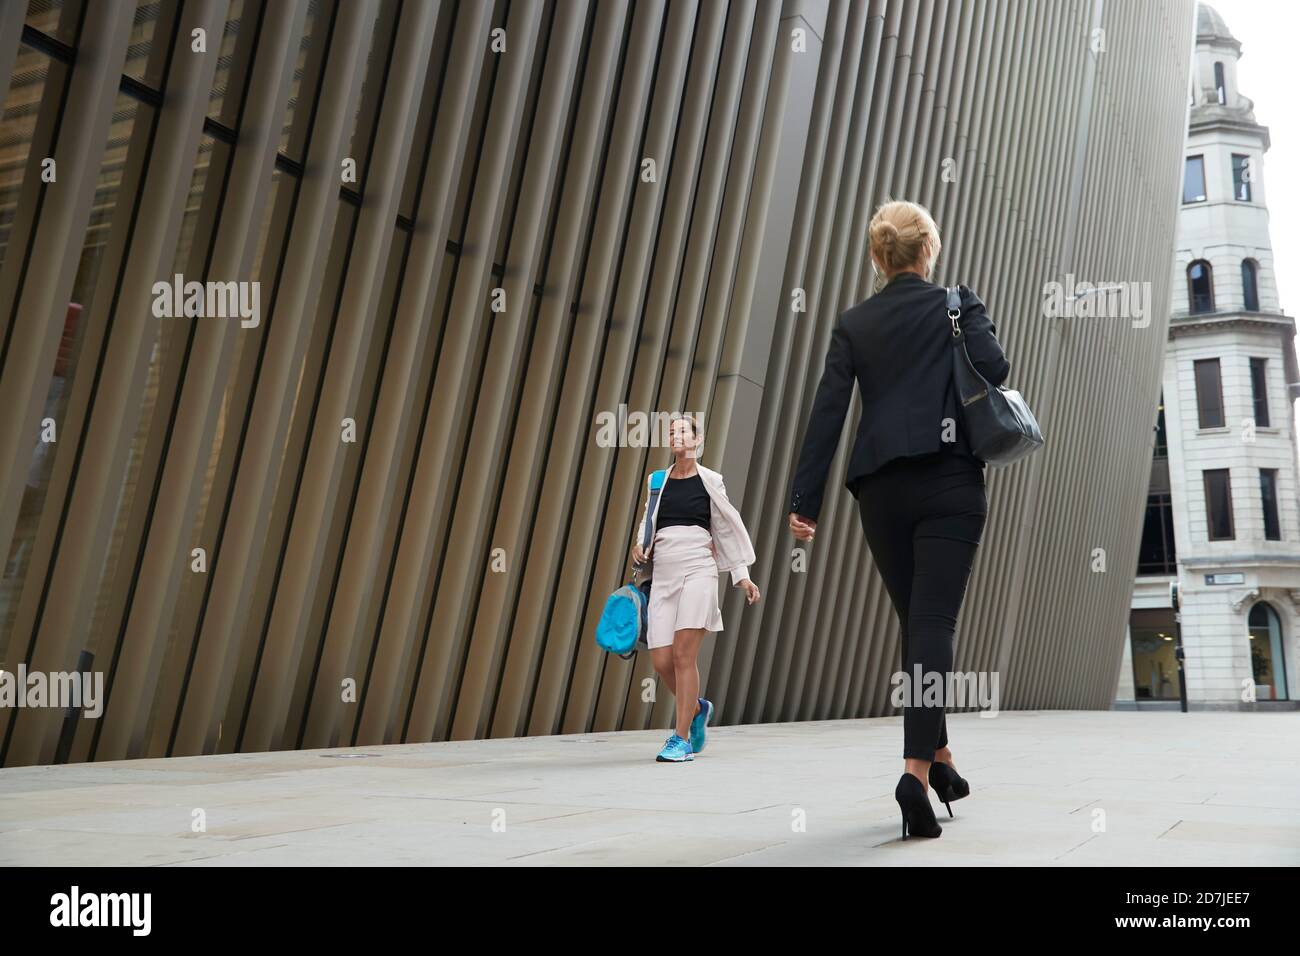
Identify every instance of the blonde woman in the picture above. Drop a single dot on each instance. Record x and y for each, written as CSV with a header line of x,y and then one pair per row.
x,y
920,489
695,532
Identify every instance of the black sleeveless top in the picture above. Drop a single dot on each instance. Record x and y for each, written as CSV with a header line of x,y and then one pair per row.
x,y
684,501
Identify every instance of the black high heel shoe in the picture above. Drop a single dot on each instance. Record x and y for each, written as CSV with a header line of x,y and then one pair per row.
x,y
947,784
918,815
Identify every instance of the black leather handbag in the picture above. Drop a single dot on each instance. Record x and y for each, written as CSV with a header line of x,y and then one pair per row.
x,y
999,425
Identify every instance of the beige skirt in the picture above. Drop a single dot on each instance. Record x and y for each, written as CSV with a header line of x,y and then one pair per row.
x,y
683,584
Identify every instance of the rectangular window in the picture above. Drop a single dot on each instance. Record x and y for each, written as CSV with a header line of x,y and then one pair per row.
x,y
1259,390
1162,438
1157,554
1218,504
1240,177
1194,179
1268,495
1209,393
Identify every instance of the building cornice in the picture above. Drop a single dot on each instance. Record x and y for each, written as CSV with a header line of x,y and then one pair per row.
x,y
1236,562
1206,119
1271,322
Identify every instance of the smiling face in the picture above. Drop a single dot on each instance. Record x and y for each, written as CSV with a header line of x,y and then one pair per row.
x,y
682,439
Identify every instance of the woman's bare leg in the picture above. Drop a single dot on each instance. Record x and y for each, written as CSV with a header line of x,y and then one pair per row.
x,y
662,659
686,647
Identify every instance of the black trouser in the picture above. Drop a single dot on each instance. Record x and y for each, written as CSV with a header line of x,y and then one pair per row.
x,y
923,518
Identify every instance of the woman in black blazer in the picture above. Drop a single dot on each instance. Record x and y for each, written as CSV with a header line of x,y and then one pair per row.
x,y
920,489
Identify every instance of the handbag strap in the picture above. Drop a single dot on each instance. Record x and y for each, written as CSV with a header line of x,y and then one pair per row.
x,y
962,356
954,309
656,486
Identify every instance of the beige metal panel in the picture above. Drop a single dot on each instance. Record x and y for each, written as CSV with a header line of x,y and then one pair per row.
x,y
713,146
411,331
37,276
835,234
716,138
661,295
339,520
273,31
537,417
57,607
760,312
694,303
12,17
641,225
317,493
466,708
567,435
174,346
604,344
203,703
926,52
309,366
434,483
240,389
841,516
789,381
1105,181
118,581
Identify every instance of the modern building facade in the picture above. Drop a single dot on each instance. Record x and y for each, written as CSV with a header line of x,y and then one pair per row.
x,y
1223,516
348,488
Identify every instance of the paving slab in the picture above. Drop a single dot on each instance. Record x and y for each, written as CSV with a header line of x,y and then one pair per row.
x,y
1058,788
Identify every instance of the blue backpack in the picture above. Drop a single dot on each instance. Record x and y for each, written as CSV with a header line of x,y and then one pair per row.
x,y
622,625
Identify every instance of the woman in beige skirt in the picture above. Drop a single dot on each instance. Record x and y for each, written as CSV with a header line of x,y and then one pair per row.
x,y
694,533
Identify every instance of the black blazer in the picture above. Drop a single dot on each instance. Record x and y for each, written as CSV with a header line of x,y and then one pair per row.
x,y
898,345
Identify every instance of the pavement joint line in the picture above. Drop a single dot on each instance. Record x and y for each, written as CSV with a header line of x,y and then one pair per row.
x,y
570,846
220,856
739,856
1062,856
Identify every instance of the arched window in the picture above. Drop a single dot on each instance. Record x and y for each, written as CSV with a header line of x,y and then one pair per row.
x,y
1220,88
1267,662
1250,284
1200,287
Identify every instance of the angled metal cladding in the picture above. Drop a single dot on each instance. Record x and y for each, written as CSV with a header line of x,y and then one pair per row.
x,y
451,562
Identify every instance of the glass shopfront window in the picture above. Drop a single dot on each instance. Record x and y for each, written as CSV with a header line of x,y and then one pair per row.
x,y
1155,668
1267,660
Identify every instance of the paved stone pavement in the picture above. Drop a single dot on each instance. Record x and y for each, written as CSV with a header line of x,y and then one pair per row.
x,y
1076,788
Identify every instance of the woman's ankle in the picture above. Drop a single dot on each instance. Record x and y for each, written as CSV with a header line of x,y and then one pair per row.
x,y
920,769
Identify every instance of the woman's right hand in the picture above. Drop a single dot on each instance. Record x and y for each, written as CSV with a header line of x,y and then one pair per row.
x,y
638,554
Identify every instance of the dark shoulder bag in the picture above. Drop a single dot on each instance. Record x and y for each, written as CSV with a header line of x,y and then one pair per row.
x,y
999,425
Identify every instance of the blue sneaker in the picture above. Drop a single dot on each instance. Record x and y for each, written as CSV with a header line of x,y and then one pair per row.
x,y
700,724
675,750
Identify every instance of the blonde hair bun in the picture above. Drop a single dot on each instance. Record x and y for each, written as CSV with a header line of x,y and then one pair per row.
x,y
884,233
904,236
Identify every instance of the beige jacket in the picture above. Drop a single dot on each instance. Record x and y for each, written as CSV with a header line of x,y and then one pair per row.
x,y
732,549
